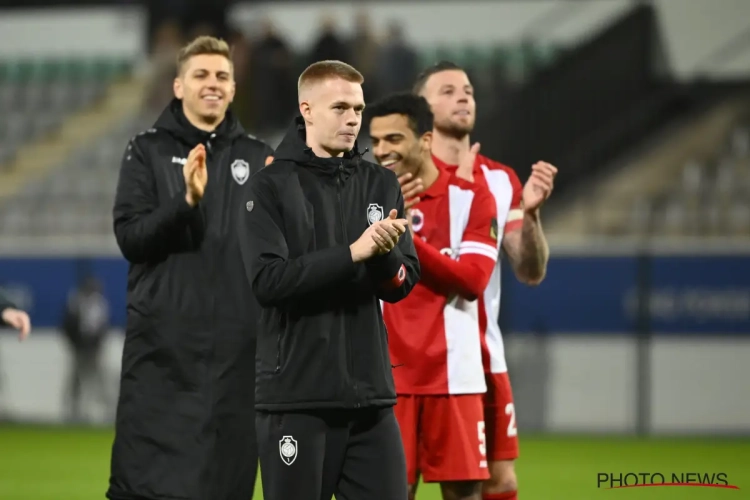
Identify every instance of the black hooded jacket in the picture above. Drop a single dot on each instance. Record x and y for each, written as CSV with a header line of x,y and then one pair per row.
x,y
322,342
187,377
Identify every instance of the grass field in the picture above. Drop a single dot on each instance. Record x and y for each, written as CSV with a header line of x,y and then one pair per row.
x,y
73,464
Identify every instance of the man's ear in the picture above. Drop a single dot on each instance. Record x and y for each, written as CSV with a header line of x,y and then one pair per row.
x,y
179,93
304,110
425,142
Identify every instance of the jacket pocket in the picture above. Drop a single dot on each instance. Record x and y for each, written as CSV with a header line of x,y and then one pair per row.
x,y
279,343
278,353
268,347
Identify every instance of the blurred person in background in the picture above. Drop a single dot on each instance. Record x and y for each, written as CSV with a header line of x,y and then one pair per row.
x,y
273,92
241,48
185,416
366,55
18,320
167,41
329,46
86,322
447,88
14,318
435,332
398,61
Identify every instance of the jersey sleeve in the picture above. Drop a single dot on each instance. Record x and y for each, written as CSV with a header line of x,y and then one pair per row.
x,y
515,214
469,273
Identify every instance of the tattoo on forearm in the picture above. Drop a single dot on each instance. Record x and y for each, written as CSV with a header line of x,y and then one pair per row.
x,y
533,252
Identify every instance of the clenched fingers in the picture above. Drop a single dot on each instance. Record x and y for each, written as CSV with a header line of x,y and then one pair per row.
x,y
542,180
398,224
544,168
388,231
384,243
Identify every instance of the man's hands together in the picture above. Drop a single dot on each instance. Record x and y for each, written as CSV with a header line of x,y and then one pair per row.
x,y
380,238
196,175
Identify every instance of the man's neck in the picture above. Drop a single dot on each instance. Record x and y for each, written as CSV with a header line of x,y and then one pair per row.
x,y
429,173
448,148
200,124
322,152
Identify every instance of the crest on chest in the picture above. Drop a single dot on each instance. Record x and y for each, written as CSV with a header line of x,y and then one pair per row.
x,y
240,171
374,213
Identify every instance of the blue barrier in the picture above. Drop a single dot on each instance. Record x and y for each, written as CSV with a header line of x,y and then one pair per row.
x,y
689,295
700,295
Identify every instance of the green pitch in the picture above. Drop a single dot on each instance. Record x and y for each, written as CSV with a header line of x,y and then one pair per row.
x,y
61,464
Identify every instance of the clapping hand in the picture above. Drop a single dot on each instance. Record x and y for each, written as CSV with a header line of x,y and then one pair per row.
x,y
386,233
196,175
466,163
379,238
539,186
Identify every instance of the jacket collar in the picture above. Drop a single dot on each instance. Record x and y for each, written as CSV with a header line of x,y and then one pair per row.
x,y
174,121
293,147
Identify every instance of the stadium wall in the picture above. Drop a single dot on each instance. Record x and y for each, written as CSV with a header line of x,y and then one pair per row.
x,y
584,383
573,345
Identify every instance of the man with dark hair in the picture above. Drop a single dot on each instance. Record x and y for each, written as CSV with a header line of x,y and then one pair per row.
x,y
435,333
324,240
436,68
184,426
447,88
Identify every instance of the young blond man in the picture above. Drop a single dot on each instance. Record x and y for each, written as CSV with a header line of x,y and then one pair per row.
x,y
185,419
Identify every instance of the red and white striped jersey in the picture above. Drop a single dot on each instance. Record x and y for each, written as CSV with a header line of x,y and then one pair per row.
x,y
507,190
434,334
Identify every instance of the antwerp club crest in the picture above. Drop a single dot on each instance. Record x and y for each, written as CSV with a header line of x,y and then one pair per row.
x,y
240,171
374,213
288,449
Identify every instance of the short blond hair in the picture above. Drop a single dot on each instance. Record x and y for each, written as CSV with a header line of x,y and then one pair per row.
x,y
323,70
203,45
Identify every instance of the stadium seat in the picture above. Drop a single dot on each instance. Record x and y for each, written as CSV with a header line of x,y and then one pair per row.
x,y
35,97
711,197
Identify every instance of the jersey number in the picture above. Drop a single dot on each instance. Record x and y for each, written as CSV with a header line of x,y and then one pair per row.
x,y
511,410
482,438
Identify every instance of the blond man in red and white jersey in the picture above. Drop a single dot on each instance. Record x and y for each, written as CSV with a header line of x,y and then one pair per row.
x,y
450,94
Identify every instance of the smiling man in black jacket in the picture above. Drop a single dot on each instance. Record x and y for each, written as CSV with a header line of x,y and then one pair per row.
x,y
185,418
324,241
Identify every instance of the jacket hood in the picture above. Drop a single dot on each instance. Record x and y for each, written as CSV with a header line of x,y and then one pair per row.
x,y
293,147
174,121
